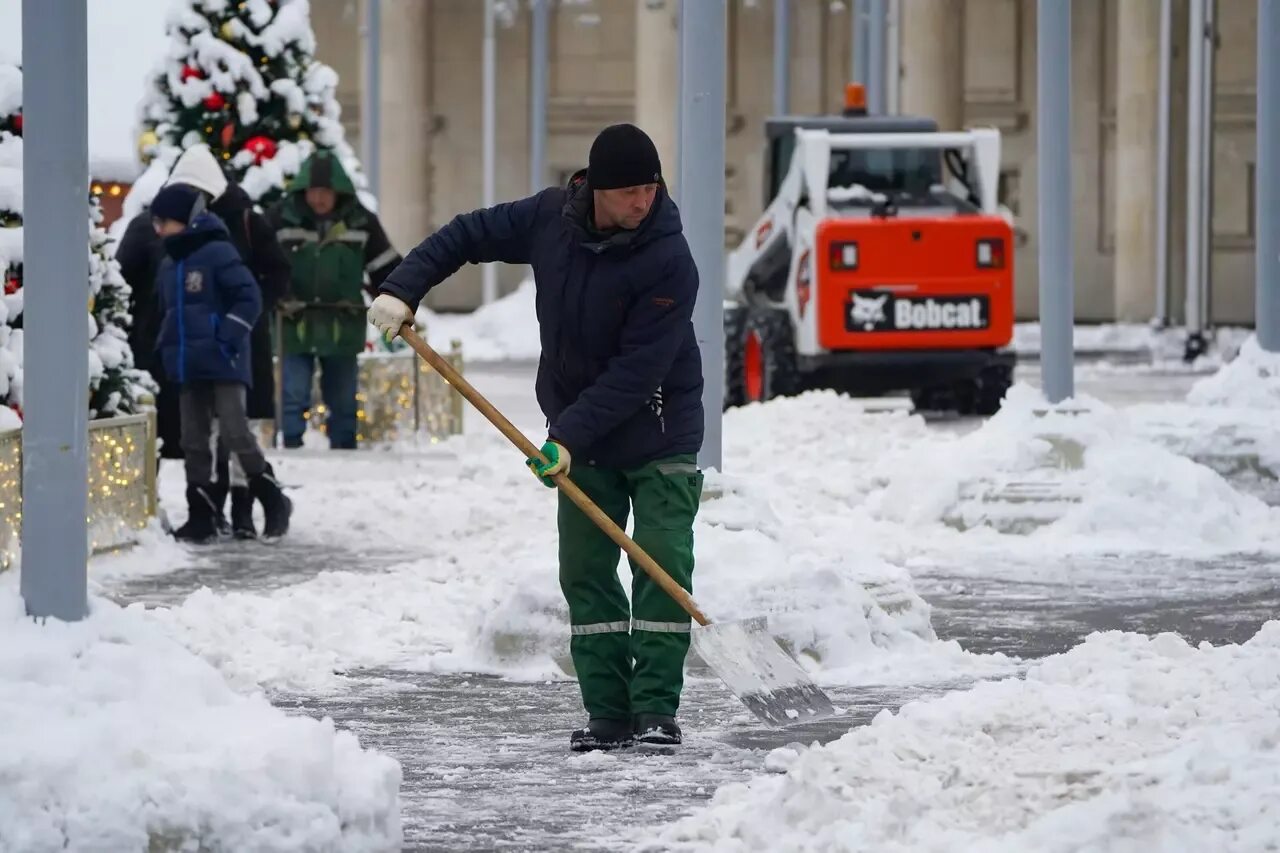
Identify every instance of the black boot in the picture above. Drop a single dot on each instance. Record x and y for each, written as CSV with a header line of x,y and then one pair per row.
x,y
242,526
275,505
657,729
218,492
601,734
200,527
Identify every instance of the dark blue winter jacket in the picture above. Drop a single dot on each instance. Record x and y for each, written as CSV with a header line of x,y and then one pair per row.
x,y
209,302
620,374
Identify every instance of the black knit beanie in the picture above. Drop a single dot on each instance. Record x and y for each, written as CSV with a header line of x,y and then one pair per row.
x,y
623,155
177,202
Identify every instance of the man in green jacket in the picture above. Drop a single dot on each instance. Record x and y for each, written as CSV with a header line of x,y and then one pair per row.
x,y
338,250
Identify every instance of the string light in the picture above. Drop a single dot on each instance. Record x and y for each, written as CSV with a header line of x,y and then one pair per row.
x,y
396,394
118,487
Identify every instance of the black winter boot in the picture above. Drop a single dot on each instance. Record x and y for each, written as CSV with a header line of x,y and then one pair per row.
x,y
275,505
200,526
601,734
218,492
242,526
657,729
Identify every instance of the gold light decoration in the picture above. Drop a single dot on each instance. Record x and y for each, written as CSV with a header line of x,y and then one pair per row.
x,y
121,484
398,396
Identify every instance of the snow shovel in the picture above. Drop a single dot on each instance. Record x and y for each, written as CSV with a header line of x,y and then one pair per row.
x,y
743,654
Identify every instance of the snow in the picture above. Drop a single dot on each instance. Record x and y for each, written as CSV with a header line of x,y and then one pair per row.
x,y
126,40
1250,381
1126,742
506,329
1163,345
1124,491
117,738
855,192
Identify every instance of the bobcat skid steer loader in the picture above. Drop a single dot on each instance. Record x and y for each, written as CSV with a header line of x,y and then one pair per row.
x,y
882,263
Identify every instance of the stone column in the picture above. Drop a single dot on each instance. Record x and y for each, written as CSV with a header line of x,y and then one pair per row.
x,y
405,205
658,77
1137,113
933,61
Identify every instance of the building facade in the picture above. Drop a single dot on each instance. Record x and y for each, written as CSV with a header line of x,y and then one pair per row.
x,y
962,62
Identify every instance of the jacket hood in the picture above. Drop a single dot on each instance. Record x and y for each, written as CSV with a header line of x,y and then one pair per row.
x,y
663,219
232,202
323,169
199,168
205,228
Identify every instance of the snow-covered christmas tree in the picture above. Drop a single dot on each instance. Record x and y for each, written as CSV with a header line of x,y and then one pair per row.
x,y
242,77
115,386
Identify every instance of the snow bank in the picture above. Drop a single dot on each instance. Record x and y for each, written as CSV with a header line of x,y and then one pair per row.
x,y
478,590
1249,381
1124,743
117,738
1108,487
506,329
1162,345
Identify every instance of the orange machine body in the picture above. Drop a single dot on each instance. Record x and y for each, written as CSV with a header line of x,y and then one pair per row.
x,y
902,283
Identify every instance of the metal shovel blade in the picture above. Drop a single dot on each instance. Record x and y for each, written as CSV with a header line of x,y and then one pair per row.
x,y
759,671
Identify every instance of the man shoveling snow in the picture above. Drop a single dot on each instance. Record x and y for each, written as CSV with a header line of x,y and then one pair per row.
x,y
620,382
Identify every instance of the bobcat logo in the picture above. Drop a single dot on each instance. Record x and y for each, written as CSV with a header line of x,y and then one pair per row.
x,y
194,282
868,311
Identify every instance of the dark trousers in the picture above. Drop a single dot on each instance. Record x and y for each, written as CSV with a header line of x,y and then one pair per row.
x,y
629,656
339,376
213,411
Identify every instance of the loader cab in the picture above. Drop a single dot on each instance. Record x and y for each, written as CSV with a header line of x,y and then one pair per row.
x,y
881,170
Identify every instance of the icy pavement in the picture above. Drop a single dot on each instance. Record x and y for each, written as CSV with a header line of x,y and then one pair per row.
x,y
427,575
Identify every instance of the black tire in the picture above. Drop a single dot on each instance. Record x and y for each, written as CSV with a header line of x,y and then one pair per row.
x,y
776,373
990,388
735,333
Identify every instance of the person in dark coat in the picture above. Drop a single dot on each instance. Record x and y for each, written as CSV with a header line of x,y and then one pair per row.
x,y
620,382
140,253
208,303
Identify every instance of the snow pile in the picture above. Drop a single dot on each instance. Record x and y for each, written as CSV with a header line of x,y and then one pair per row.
x,y
1250,381
856,193
1163,345
1124,743
506,329
116,738
477,588
1110,487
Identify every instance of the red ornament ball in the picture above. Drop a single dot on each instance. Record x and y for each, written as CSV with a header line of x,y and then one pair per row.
x,y
190,71
12,285
215,101
261,147
17,122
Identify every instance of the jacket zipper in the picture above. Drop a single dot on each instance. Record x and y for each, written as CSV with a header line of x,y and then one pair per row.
x,y
182,324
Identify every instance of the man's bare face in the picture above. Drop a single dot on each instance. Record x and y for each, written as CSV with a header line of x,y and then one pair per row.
x,y
624,208
322,200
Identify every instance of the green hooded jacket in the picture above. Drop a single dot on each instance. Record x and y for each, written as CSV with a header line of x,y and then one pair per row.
x,y
324,312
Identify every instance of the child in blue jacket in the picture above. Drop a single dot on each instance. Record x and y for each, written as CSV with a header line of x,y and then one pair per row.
x,y
209,302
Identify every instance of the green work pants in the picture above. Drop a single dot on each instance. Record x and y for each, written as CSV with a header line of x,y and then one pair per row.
x,y
630,659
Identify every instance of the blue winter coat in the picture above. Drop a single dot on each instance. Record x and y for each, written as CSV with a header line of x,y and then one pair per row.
x,y
209,302
620,374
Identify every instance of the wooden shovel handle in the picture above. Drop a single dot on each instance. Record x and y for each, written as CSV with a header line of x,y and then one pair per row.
x,y
575,494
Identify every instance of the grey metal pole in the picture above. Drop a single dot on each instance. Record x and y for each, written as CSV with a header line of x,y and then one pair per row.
x,y
1053,144
1195,166
893,59
489,59
703,53
858,18
55,182
877,31
1267,177
539,37
1206,170
371,108
1163,131
781,57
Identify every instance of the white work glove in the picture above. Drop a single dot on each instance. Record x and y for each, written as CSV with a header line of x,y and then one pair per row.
x,y
387,314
